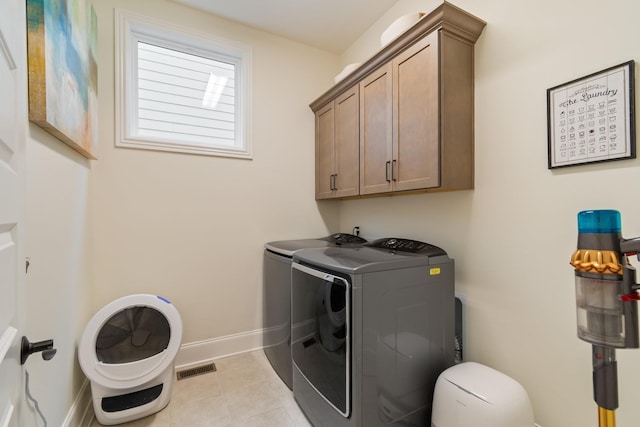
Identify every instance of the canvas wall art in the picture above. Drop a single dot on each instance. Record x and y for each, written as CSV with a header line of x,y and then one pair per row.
x,y
63,71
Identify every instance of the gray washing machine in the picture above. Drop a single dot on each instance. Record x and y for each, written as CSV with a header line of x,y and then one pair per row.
x,y
372,328
277,295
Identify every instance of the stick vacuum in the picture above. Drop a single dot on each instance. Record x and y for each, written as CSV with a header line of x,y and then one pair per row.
x,y
606,301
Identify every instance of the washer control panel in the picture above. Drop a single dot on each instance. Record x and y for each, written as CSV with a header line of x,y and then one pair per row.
x,y
406,245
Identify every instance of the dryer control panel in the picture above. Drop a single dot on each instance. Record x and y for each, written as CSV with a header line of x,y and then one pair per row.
x,y
344,239
406,245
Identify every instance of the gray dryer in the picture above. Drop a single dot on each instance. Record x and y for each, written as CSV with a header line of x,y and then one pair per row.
x,y
372,328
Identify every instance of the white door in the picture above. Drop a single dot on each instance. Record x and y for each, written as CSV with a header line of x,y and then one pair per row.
x,y
12,267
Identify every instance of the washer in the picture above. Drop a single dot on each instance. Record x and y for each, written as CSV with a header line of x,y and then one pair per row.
x,y
277,295
372,327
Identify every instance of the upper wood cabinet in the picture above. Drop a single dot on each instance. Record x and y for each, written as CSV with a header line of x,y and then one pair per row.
x,y
376,132
415,109
399,134
417,138
337,139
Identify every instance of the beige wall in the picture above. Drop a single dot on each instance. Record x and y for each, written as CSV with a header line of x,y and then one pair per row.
x,y
58,288
192,228
513,235
58,291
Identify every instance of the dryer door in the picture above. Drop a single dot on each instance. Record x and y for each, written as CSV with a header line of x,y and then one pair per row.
x,y
321,333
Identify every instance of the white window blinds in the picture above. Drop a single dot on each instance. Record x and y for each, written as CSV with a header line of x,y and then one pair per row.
x,y
185,98
181,91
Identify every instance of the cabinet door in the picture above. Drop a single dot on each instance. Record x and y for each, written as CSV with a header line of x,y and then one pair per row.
x,y
375,132
416,136
324,152
347,144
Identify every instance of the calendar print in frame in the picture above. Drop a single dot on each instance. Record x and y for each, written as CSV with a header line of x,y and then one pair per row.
x,y
592,119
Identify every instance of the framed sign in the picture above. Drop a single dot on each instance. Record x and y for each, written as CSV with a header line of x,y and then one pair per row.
x,y
592,119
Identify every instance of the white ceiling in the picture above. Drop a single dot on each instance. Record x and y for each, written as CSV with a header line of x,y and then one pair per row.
x,y
331,25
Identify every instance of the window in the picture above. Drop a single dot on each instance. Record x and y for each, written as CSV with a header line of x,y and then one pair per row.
x,y
180,91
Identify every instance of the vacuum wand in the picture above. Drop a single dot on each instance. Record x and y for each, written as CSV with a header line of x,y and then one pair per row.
x,y
605,384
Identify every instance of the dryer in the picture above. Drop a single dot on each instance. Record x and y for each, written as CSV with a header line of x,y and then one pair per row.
x,y
372,328
277,296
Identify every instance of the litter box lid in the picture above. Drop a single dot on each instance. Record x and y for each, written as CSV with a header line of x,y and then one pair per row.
x,y
130,341
471,394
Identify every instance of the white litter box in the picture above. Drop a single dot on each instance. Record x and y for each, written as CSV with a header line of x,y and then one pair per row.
x,y
471,394
128,351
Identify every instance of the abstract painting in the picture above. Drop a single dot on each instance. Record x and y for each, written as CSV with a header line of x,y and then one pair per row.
x,y
63,71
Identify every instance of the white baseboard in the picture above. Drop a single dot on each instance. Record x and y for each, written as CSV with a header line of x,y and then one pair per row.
x,y
200,352
81,412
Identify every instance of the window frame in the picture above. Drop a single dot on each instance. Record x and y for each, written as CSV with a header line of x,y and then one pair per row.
x,y
132,28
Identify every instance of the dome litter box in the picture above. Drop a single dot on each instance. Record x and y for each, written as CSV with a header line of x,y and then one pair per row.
x,y
128,352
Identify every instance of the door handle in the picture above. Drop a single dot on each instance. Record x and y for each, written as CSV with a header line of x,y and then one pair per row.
x,y
387,171
332,182
28,348
394,170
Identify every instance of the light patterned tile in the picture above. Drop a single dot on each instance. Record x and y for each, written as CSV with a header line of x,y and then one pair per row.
x,y
277,417
160,419
236,361
239,375
195,388
245,391
252,400
261,359
205,412
295,413
278,386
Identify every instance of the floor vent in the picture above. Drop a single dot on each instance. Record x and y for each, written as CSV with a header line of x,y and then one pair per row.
x,y
198,370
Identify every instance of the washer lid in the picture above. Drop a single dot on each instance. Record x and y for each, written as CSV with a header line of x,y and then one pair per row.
x,y
288,247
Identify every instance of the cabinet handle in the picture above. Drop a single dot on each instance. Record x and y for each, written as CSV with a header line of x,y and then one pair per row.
x,y
332,182
394,170
388,171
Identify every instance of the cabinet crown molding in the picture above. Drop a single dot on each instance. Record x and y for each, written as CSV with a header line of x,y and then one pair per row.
x,y
446,17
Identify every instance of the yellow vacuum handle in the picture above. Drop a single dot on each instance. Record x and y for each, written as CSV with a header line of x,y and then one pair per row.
x,y
606,417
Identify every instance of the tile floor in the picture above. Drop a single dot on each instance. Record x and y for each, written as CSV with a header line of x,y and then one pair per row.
x,y
243,392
